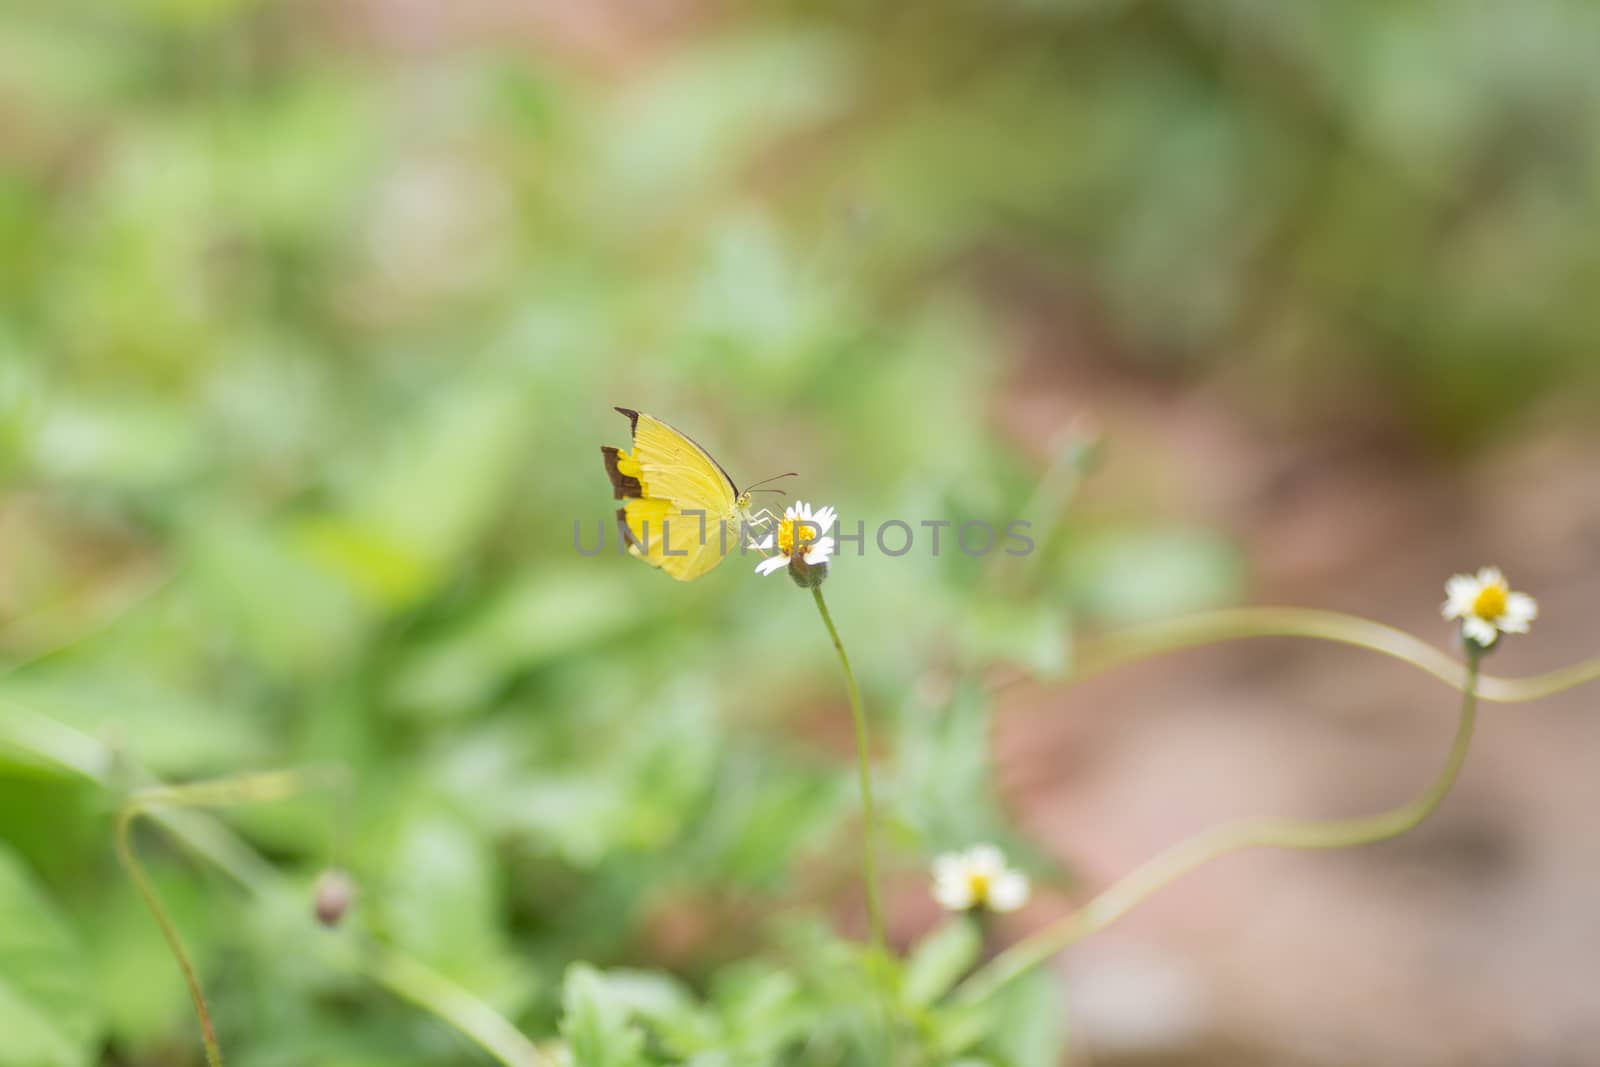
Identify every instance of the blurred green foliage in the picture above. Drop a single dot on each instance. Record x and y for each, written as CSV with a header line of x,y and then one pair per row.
x,y
308,337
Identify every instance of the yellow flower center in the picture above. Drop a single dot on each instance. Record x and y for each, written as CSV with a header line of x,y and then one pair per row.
x,y
1491,602
978,886
791,530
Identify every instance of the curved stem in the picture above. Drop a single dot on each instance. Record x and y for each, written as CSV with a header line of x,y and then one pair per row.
x,y
1223,840
1214,627
152,901
869,849
402,975
272,785
88,757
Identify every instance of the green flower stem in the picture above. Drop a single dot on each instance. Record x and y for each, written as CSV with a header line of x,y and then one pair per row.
x,y
1219,841
1214,627
869,819
25,731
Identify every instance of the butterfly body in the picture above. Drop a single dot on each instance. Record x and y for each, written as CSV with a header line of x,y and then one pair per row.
x,y
681,512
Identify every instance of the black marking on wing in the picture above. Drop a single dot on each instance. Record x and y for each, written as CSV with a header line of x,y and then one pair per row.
x,y
622,525
623,486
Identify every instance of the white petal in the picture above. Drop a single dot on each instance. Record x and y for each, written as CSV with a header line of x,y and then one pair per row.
x,y
1009,891
1461,591
1522,606
825,518
775,563
1479,630
954,893
1521,609
948,866
986,860
789,512
1490,576
819,552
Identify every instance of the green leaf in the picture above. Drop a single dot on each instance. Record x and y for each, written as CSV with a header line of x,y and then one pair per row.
x,y
939,961
769,814
277,606
762,1008
664,1005
435,492
1026,1028
167,730
943,785
536,619
47,1013
123,444
442,901
595,1021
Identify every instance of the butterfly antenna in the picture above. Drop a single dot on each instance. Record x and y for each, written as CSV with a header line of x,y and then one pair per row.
x,y
775,477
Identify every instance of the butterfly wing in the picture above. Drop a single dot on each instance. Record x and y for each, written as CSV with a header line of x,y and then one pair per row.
x,y
680,508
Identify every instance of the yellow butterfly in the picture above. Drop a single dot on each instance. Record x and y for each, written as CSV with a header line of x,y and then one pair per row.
x,y
682,511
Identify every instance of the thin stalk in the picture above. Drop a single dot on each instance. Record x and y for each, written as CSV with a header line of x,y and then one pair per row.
x,y
152,901
1158,872
1234,624
869,818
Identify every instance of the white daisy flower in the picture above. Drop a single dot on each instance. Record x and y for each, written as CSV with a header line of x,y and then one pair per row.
x,y
978,878
1487,607
802,539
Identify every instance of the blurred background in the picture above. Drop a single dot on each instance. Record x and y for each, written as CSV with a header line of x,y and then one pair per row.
x,y
312,316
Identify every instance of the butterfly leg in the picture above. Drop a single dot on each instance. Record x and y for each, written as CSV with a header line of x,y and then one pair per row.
x,y
756,520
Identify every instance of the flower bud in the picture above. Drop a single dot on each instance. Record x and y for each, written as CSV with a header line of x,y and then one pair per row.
x,y
807,575
332,896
